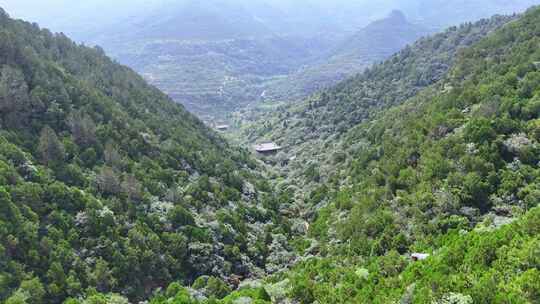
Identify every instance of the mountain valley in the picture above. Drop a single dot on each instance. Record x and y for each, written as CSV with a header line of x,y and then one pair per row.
x,y
216,77
404,164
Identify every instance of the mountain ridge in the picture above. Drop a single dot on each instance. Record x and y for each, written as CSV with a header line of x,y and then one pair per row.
x,y
375,42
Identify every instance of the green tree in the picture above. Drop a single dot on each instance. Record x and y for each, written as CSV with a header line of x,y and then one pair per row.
x,y
102,276
217,288
179,217
14,98
50,148
34,289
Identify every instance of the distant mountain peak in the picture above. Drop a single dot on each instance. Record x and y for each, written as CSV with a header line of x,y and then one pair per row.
x,y
393,19
397,15
382,37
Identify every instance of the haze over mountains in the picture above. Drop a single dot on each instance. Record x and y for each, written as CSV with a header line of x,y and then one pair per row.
x,y
212,76
85,19
371,44
219,56
220,16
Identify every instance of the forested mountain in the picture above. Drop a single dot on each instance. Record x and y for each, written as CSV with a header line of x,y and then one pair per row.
x,y
111,193
452,174
442,174
323,118
107,185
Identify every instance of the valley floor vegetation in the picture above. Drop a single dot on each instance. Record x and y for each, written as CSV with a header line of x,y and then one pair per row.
x,y
112,194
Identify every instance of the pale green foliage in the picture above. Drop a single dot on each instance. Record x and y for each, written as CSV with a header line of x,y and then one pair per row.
x,y
362,273
455,298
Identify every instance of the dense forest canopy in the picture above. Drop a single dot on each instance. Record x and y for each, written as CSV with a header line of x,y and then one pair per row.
x,y
106,184
324,118
442,174
416,181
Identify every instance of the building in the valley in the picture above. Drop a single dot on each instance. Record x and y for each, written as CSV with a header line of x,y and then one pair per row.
x,y
222,127
267,148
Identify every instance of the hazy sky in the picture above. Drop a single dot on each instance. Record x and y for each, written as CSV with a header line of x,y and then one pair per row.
x,y
59,14
77,17
82,18
42,8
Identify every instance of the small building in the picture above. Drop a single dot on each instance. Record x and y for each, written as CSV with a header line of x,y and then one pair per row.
x,y
222,127
267,148
419,256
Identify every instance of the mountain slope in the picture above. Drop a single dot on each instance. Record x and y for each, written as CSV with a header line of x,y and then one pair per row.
x,y
495,266
441,174
376,42
106,184
321,120
212,78
443,13
452,174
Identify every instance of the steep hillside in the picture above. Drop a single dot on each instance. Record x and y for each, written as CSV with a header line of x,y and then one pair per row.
x,y
468,268
440,175
442,13
452,174
106,184
322,119
109,191
376,42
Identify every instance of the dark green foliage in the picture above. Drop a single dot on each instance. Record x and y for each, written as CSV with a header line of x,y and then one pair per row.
x,y
312,130
217,291
217,288
489,267
106,185
444,173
